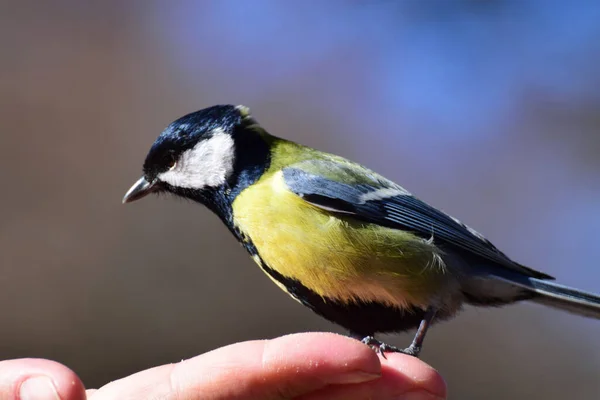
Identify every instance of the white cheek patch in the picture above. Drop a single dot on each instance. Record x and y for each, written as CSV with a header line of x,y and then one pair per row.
x,y
208,164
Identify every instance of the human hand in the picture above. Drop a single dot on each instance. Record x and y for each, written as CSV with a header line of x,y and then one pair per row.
x,y
307,366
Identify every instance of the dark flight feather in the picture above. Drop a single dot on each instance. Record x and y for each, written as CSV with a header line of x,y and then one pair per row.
x,y
399,210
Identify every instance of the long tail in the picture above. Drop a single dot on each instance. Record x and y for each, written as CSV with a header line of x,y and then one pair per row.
x,y
559,296
566,298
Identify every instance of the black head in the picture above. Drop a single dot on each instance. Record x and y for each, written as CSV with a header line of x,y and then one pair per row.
x,y
198,153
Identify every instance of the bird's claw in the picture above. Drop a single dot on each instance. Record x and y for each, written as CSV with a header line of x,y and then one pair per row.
x,y
382,348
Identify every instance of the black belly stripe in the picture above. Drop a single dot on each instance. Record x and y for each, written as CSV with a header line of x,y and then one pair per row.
x,y
360,318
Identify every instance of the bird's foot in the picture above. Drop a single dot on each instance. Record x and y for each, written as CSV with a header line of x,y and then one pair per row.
x,y
381,348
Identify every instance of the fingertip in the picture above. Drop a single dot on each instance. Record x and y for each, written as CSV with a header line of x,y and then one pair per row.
x,y
403,377
68,384
422,376
38,374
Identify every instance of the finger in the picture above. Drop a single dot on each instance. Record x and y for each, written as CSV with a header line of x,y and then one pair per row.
x,y
403,377
285,367
31,378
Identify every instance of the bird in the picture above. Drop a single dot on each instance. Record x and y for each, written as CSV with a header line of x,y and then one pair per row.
x,y
351,245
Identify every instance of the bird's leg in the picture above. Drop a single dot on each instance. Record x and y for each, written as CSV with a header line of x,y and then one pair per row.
x,y
417,344
415,347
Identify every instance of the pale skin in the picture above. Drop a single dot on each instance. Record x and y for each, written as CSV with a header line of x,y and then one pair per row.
x,y
306,366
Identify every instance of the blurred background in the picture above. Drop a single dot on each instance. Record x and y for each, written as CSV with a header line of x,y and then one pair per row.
x,y
489,110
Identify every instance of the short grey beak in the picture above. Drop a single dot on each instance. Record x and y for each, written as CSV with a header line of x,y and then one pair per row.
x,y
140,189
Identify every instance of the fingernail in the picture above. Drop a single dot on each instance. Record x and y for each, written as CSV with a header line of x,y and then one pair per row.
x,y
422,395
354,377
38,388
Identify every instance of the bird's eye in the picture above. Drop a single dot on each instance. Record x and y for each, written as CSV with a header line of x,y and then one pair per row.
x,y
172,162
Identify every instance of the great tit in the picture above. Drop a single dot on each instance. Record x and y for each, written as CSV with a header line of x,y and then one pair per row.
x,y
353,246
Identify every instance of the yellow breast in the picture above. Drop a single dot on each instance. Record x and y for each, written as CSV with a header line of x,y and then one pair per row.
x,y
334,256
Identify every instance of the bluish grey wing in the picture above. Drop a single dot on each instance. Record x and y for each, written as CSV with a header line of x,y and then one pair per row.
x,y
379,201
